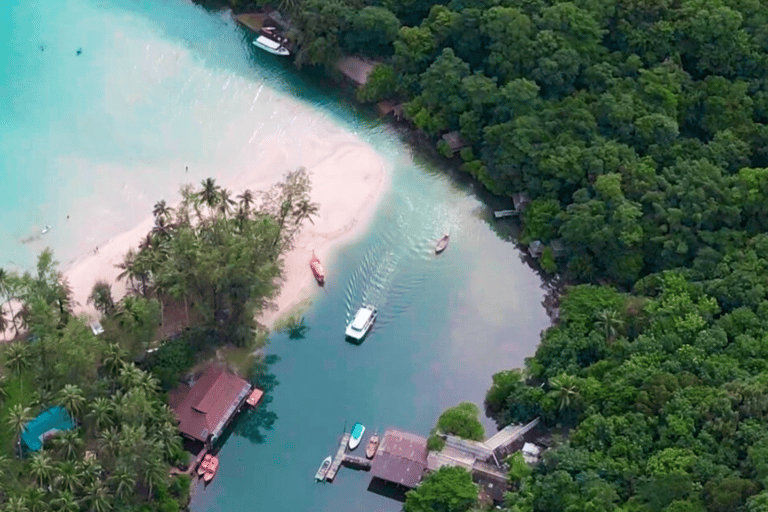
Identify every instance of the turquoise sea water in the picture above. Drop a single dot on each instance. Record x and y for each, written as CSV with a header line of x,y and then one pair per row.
x,y
161,85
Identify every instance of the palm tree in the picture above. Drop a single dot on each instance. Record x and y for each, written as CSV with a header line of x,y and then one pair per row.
x,y
3,320
609,321
41,467
225,202
101,297
68,476
130,376
98,498
153,472
127,266
66,502
305,210
209,193
71,397
123,482
3,391
18,417
7,291
36,500
113,359
246,200
68,444
91,470
110,442
565,390
162,210
101,413
17,357
16,504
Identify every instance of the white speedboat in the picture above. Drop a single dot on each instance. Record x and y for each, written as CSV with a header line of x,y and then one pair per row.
x,y
324,467
362,323
357,435
45,230
270,40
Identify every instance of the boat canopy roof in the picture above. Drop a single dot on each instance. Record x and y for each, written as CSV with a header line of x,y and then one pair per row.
x,y
269,43
357,430
361,318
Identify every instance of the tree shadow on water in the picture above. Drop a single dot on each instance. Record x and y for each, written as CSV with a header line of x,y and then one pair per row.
x,y
253,424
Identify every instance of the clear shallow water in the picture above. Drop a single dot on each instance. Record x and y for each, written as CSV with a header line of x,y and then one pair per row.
x,y
161,85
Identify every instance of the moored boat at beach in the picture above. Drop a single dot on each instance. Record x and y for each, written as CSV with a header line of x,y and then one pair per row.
x,y
323,469
441,244
317,269
357,435
372,446
362,323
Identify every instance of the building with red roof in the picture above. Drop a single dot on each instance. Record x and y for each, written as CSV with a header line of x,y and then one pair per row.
x,y
209,405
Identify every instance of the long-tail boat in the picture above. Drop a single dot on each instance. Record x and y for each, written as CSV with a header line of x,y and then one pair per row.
x,y
317,269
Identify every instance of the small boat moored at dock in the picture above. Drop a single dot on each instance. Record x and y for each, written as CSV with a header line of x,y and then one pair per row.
x,y
372,446
441,244
317,269
357,435
323,469
254,397
361,324
208,468
270,40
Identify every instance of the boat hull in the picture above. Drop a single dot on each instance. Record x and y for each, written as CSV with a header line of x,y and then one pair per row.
x,y
323,470
372,447
441,245
263,43
357,435
317,270
358,334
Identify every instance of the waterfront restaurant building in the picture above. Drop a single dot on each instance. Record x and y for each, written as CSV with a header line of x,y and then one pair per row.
x,y
205,408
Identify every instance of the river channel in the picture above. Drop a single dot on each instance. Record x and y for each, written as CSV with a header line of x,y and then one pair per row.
x,y
446,323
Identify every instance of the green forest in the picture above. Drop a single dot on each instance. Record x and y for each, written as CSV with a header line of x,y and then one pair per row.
x,y
216,259
639,130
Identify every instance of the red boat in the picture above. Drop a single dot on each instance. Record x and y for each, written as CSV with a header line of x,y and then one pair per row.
x,y
208,468
317,269
213,467
254,397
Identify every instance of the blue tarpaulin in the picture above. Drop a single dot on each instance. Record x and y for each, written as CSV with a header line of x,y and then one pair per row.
x,y
47,423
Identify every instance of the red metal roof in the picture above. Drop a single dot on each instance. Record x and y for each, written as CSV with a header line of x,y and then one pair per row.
x,y
205,408
401,458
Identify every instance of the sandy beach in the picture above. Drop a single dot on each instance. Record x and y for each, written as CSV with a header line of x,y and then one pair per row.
x,y
348,180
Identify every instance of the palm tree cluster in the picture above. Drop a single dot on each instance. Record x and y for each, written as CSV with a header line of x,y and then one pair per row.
x,y
118,457
221,254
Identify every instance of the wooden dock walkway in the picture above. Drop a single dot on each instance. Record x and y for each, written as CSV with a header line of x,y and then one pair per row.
x,y
357,462
339,458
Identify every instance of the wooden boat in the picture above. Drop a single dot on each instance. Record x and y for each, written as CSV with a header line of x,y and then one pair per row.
x,y
441,244
357,435
372,446
254,397
211,469
203,467
323,469
317,269
361,324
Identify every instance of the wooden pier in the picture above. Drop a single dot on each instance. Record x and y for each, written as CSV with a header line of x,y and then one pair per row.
x,y
339,458
357,462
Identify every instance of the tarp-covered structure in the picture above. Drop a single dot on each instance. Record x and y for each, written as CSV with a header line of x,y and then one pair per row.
x,y
47,424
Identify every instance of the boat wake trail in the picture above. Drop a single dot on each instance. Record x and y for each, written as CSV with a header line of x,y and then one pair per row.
x,y
395,265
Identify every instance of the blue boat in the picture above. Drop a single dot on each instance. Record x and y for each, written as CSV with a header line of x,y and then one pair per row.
x,y
357,435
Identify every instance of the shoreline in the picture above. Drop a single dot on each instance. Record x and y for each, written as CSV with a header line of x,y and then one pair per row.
x,y
347,199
